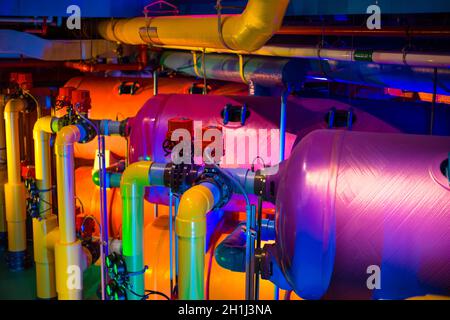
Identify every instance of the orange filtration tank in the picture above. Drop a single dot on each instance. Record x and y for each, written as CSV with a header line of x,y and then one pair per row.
x,y
121,98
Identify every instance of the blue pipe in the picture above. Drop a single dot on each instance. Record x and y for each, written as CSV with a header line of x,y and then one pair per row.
x,y
230,253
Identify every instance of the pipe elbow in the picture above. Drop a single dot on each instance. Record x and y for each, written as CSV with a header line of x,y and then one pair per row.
x,y
67,136
135,175
255,26
194,205
44,124
15,106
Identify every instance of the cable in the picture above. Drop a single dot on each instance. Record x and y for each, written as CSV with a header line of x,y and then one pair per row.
x,y
38,107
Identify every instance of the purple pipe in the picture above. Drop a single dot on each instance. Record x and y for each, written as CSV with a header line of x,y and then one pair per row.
x,y
350,200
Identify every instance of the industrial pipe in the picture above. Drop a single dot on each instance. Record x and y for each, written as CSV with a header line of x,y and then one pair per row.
x,y
331,65
47,222
134,179
3,173
353,31
15,189
246,32
191,232
68,250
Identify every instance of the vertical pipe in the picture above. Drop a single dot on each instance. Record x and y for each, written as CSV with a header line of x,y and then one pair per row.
x,y
155,82
43,256
191,232
283,115
3,172
258,242
68,251
177,204
134,179
250,252
104,214
171,240
15,189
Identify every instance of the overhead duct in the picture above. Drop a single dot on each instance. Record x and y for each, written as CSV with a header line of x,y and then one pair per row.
x,y
260,70
248,31
20,44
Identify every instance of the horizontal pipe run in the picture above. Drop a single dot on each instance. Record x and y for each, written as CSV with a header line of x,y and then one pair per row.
x,y
248,31
339,67
351,31
412,59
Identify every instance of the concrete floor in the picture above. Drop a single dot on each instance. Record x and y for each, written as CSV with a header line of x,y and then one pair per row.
x,y
22,285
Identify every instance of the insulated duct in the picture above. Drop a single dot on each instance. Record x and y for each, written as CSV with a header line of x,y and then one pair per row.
x,y
248,31
271,71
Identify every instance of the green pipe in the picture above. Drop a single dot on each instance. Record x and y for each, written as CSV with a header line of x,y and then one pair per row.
x,y
134,180
112,179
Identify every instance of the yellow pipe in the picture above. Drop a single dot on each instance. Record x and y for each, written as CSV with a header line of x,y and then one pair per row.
x,y
68,251
3,176
247,32
14,189
44,258
190,226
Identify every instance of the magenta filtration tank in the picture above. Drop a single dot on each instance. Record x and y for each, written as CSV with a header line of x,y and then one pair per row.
x,y
351,204
150,126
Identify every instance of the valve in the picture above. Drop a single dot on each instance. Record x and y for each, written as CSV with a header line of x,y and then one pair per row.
x,y
77,110
19,82
114,291
81,101
117,268
64,99
177,124
33,201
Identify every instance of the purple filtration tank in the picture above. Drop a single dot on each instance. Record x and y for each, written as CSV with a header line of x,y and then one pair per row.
x,y
351,202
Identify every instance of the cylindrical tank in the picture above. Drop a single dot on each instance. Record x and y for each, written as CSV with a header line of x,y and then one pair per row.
x,y
109,102
150,126
365,215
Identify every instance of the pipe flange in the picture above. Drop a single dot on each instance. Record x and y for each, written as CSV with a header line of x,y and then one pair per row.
x,y
215,176
180,177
